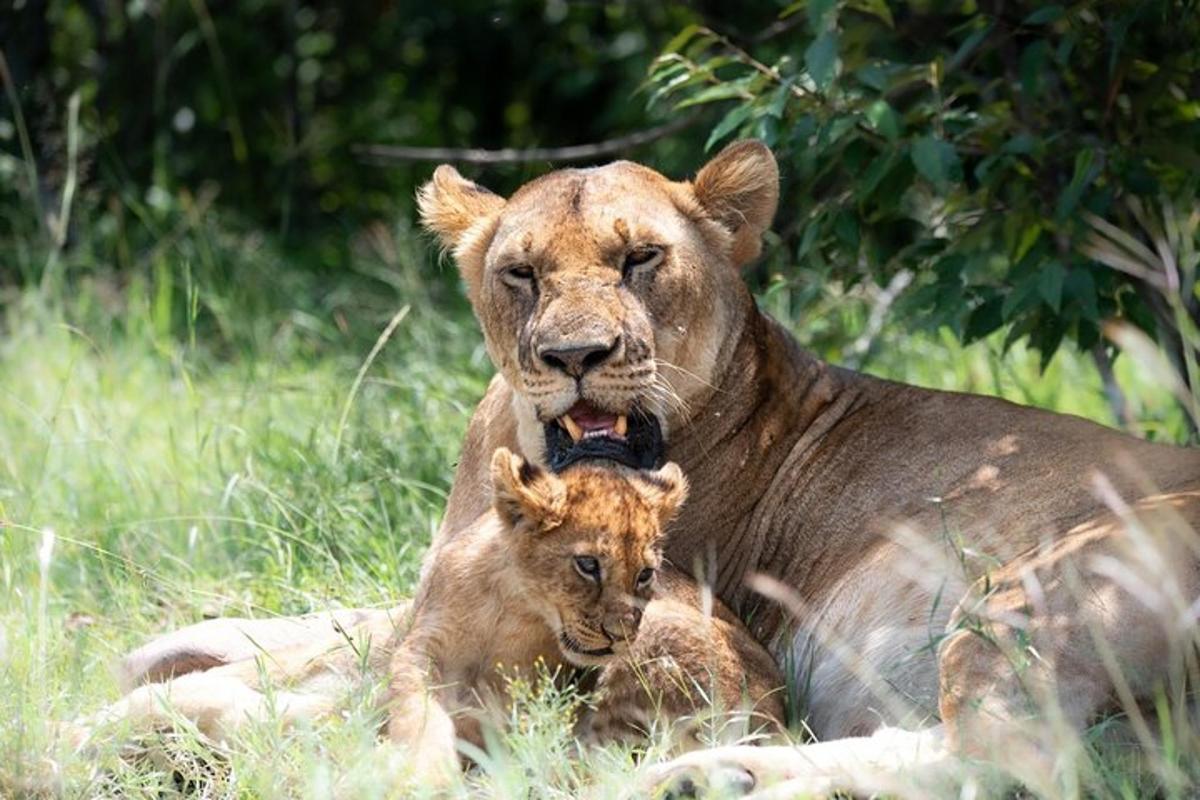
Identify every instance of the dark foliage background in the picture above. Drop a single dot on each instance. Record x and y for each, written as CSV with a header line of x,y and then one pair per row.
x,y
266,98
975,166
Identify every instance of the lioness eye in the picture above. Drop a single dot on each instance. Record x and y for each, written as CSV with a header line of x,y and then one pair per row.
x,y
519,276
645,576
588,567
641,257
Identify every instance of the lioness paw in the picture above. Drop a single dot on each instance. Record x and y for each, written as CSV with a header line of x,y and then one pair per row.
x,y
704,773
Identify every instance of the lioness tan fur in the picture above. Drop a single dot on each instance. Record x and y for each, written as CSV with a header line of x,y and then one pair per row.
x,y
914,538
565,572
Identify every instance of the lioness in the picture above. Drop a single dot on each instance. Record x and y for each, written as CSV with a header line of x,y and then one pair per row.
x,y
612,307
566,571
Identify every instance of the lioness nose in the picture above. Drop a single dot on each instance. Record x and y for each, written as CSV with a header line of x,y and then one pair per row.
x,y
578,359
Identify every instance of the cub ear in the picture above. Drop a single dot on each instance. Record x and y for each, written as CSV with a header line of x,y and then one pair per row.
x,y
524,492
450,206
739,188
664,489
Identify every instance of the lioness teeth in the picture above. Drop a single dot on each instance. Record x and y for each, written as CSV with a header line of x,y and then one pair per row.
x,y
621,426
572,427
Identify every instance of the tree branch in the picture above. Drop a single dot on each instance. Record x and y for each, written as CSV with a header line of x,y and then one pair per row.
x,y
389,153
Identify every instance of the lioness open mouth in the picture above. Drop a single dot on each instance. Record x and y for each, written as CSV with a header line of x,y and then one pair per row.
x,y
586,432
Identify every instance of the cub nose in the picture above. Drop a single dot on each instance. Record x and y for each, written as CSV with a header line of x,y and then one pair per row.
x,y
629,620
578,359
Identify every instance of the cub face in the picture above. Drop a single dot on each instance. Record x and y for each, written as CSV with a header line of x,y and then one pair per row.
x,y
606,295
587,546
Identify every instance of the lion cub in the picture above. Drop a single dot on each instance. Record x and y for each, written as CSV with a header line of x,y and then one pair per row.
x,y
568,570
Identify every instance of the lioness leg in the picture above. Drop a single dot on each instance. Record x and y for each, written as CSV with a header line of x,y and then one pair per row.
x,y
892,762
683,665
217,704
226,640
303,681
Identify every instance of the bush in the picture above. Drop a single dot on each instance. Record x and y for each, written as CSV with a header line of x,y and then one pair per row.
x,y
1026,165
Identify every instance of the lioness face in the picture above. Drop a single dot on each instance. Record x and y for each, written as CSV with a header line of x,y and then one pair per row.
x,y
586,546
606,295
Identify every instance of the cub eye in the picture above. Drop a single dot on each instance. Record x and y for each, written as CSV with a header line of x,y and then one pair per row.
x,y
519,276
588,567
648,256
645,576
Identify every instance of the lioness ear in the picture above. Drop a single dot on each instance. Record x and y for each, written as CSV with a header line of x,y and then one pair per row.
x,y
524,492
451,206
739,188
664,489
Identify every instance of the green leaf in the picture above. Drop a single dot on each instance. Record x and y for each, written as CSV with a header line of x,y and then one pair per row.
x,y
983,319
845,228
1029,237
664,69
821,59
968,46
1019,330
1080,290
1087,334
675,83
876,8
875,173
811,231
732,120
1050,284
1044,15
1023,295
711,94
821,14
767,130
799,5
884,120
983,170
1086,171
873,76
1032,68
936,161
1021,144
680,39
1046,336
1062,53
779,100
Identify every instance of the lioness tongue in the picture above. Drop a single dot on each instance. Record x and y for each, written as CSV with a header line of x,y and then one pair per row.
x,y
584,420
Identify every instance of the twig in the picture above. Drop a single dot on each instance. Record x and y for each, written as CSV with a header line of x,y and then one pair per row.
x,y
14,99
388,153
864,346
776,28
61,225
1117,401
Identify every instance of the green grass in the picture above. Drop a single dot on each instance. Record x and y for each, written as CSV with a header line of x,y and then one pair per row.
x,y
188,444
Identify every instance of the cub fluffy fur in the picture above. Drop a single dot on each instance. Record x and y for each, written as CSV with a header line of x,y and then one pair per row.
x,y
568,571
